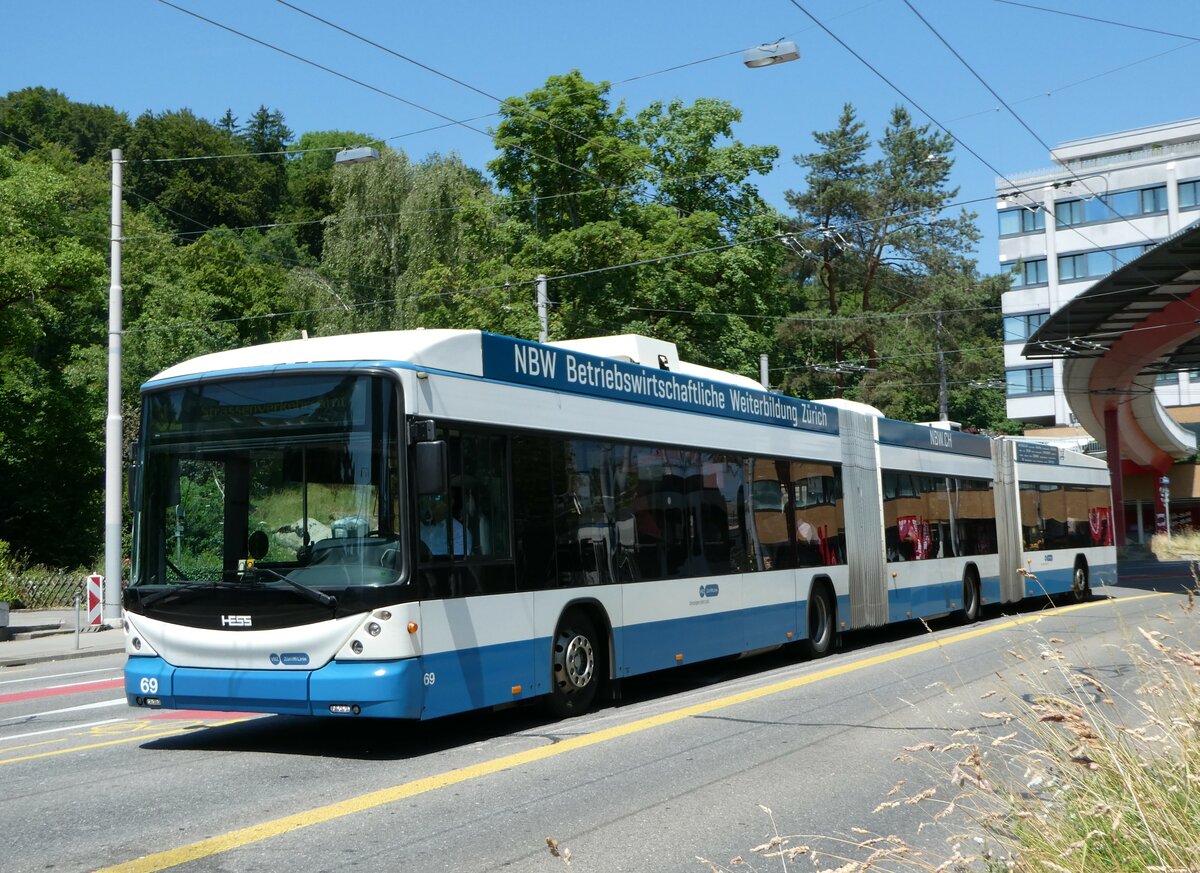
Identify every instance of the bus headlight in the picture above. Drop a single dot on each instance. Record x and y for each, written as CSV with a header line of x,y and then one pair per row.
x,y
373,629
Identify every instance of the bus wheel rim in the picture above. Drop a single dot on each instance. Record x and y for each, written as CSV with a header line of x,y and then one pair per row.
x,y
578,662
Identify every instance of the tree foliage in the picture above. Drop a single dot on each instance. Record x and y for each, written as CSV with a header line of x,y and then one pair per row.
x,y
38,117
646,223
887,278
51,299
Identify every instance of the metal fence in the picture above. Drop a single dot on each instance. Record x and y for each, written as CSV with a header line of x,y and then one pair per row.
x,y
42,588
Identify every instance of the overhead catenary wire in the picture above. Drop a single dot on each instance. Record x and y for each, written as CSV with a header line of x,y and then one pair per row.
x,y
382,91
1020,120
1093,18
1074,176
957,140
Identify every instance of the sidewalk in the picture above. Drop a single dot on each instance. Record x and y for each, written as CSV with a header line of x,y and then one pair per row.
x,y
36,635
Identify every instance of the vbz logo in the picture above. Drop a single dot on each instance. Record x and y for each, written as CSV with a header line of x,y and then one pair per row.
x,y
237,621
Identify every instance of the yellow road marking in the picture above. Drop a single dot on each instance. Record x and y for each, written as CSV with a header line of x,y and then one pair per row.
x,y
134,739
257,833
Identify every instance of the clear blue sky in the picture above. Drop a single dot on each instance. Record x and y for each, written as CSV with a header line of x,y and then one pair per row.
x,y
1066,77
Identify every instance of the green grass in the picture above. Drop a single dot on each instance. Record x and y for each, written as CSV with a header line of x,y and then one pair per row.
x,y
1071,776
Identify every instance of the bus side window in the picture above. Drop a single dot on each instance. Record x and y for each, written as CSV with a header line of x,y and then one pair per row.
x,y
485,495
533,460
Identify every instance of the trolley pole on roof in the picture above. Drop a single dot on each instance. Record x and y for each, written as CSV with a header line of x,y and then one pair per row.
x,y
764,377
543,306
113,431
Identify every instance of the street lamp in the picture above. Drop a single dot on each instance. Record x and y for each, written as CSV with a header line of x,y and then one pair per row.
x,y
360,155
766,55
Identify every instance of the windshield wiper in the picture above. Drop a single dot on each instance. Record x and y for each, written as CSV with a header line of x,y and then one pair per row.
x,y
311,593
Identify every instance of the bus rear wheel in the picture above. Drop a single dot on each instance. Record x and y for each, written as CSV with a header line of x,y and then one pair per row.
x,y
971,597
1081,587
574,665
821,621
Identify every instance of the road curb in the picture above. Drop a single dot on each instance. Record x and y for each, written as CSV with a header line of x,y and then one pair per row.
x,y
58,656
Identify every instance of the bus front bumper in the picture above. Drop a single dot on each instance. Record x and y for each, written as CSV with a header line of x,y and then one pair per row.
x,y
380,689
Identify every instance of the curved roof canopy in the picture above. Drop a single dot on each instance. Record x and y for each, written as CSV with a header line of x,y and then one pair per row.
x,y
1116,337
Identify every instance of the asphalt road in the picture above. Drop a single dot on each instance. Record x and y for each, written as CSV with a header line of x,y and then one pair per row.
x,y
681,767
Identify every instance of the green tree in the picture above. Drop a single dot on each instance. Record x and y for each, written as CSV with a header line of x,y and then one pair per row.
x,y
886,277
310,169
267,136
693,170
567,157
398,226
37,117
52,294
194,195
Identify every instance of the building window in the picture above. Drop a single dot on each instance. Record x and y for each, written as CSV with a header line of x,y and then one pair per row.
x,y
1126,204
1018,328
1154,199
1092,265
1071,267
1068,212
1189,195
1029,273
1031,380
1023,220
1127,255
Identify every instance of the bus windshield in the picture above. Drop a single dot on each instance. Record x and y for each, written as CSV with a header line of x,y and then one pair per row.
x,y
286,481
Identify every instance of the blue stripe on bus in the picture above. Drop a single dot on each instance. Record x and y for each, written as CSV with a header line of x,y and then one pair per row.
x,y
655,645
473,678
486,676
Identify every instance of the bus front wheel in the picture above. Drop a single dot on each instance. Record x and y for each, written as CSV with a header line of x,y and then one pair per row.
x,y
574,665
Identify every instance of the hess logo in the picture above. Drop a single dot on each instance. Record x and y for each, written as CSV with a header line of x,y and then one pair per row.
x,y
237,621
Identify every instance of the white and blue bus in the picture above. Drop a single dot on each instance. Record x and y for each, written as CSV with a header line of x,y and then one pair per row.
x,y
413,524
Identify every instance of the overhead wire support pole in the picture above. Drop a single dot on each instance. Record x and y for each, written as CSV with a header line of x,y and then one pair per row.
x,y
113,431
543,307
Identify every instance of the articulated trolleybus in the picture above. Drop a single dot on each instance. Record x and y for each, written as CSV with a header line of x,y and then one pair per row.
x,y
412,524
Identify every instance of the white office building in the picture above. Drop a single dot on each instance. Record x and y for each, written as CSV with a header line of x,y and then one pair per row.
x,y
1106,200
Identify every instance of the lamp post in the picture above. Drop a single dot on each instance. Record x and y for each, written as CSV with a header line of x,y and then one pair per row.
x,y
113,430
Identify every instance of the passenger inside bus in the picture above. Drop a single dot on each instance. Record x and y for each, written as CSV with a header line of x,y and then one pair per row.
x,y
435,512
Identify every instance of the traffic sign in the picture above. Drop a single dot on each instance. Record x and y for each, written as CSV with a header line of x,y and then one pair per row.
x,y
95,599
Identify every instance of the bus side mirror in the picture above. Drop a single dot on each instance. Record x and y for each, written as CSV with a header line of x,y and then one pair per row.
x,y
132,453
133,477
431,468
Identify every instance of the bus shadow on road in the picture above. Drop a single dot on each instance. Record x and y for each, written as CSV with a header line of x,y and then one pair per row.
x,y
364,739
